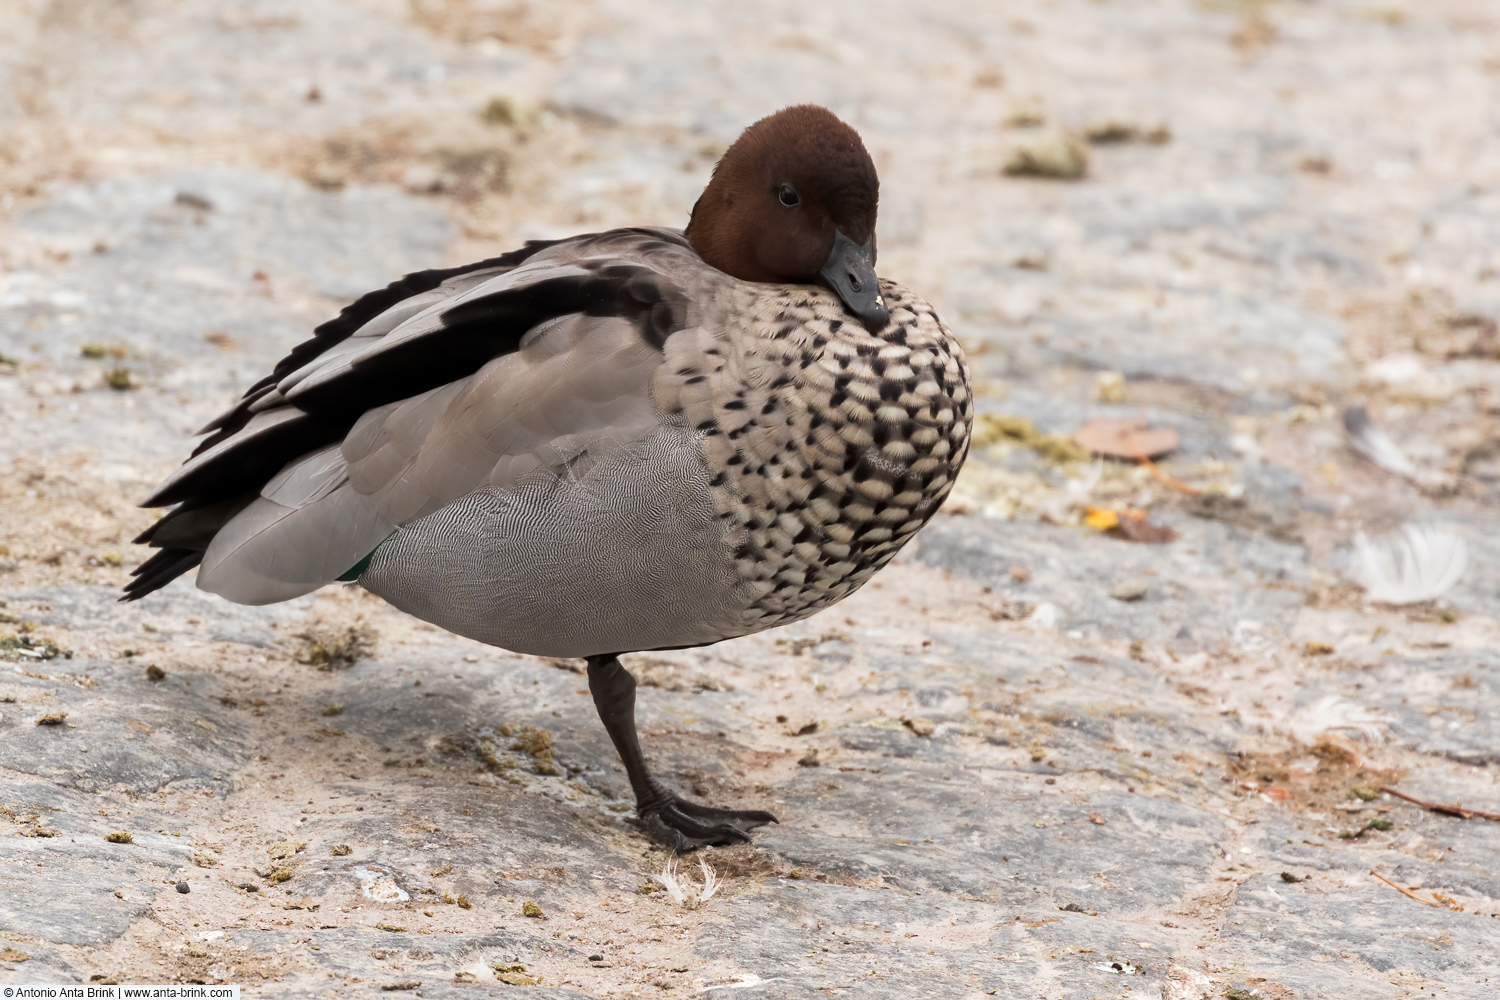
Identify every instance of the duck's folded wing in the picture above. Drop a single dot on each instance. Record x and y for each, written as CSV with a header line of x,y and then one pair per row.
x,y
481,377
578,389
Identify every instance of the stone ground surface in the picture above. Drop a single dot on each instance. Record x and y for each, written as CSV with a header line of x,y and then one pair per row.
x,y
1023,787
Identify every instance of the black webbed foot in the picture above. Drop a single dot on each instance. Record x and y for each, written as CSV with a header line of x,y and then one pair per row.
x,y
684,825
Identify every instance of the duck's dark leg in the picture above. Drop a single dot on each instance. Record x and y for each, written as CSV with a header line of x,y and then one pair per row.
x,y
666,817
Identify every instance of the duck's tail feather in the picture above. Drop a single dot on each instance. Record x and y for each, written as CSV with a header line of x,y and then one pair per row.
x,y
183,536
160,570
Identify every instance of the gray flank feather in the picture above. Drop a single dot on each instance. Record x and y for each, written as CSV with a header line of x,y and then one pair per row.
x,y
270,552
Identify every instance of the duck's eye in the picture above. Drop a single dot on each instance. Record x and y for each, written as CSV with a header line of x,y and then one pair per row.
x,y
787,196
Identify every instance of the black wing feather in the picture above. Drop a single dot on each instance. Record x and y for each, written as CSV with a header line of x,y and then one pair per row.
x,y
348,322
160,570
471,335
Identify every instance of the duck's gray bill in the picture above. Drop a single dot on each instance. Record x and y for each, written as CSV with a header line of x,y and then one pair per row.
x,y
851,275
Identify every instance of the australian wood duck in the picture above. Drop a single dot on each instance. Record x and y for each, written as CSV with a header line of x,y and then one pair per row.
x,y
631,440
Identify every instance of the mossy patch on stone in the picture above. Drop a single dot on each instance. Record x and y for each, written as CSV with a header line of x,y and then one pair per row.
x,y
509,749
120,380
995,428
336,648
514,974
1056,155
23,648
1118,133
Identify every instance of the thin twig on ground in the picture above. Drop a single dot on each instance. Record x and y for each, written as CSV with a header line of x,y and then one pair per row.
x,y
1406,892
1155,470
1458,811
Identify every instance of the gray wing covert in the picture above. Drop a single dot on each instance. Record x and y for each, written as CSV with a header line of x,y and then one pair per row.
x,y
575,391
485,376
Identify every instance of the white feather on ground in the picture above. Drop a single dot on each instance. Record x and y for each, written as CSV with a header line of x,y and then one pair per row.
x,y
747,981
1416,562
1339,715
682,889
1375,444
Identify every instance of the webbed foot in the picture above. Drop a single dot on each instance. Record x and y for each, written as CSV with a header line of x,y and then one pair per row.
x,y
665,817
684,825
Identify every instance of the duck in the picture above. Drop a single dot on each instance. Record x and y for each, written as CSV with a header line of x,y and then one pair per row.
x,y
632,440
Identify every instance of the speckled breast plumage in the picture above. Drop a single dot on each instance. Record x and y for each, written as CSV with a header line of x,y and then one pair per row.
x,y
830,446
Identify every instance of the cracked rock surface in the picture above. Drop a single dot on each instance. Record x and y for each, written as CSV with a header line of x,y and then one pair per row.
x,y
1031,758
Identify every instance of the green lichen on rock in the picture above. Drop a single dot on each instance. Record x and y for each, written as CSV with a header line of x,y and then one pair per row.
x,y
1118,133
997,428
96,351
514,974
21,648
336,648
511,749
1055,155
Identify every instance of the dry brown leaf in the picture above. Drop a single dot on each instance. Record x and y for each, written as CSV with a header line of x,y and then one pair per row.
x,y
1139,529
1127,439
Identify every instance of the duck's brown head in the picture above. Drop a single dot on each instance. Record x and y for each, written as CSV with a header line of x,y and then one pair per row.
x,y
794,200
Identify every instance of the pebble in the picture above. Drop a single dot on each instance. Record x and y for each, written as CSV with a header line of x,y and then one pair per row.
x,y
183,887
1132,589
422,179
